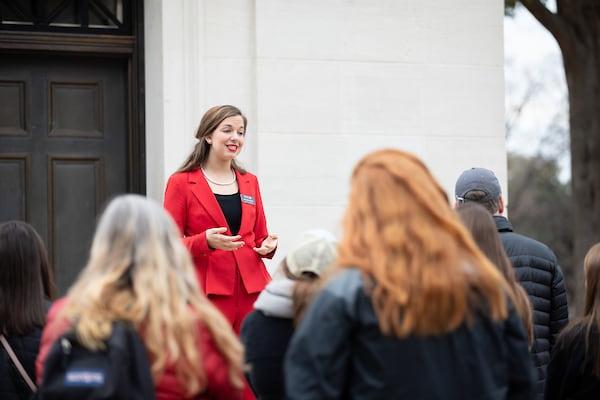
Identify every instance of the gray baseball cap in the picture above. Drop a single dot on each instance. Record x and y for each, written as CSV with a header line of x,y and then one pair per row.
x,y
477,179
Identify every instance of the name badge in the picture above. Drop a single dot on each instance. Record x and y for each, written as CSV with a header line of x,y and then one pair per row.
x,y
247,199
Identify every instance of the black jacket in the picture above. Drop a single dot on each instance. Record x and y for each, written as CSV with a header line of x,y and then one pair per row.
x,y
12,385
540,275
570,372
266,333
338,352
266,340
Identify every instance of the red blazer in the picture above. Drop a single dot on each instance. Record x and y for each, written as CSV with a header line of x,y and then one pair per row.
x,y
195,209
167,386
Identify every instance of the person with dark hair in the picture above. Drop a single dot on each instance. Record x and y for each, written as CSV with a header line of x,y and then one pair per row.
x,y
26,287
218,208
481,225
415,309
535,265
574,369
267,330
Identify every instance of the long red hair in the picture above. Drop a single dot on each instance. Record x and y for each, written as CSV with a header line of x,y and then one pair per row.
x,y
428,274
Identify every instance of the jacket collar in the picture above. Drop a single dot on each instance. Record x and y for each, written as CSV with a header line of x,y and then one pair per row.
x,y
503,224
204,194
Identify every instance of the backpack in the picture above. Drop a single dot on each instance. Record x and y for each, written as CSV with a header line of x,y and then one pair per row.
x,y
120,371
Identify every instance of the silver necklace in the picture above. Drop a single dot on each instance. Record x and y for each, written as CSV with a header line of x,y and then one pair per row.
x,y
219,183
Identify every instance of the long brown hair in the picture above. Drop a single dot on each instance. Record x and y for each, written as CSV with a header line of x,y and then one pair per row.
x,y
480,223
591,312
26,278
208,124
401,232
139,271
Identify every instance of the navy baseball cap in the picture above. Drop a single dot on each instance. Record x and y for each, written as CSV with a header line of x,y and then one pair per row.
x,y
477,179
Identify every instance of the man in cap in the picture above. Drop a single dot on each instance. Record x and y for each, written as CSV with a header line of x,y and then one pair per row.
x,y
535,266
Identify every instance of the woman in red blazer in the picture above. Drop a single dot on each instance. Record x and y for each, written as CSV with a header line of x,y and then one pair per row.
x,y
218,208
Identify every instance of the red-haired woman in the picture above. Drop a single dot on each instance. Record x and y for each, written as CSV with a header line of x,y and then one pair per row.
x,y
417,311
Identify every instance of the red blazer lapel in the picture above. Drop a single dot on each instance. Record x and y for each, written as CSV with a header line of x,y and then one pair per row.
x,y
248,197
200,189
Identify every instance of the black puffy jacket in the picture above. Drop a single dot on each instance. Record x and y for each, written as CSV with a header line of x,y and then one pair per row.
x,y
12,385
540,275
339,352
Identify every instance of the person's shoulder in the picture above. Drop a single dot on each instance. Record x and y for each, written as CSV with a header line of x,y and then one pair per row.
x,y
248,176
180,176
257,321
347,284
574,334
56,307
517,244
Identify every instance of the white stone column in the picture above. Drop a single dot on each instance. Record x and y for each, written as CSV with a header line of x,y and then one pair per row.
x,y
323,82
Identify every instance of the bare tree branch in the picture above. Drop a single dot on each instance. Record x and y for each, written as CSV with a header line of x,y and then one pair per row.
x,y
547,18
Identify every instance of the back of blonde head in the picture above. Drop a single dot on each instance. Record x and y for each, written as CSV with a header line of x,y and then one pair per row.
x,y
401,232
139,271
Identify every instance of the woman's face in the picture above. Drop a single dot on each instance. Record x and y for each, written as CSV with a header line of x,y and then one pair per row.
x,y
228,139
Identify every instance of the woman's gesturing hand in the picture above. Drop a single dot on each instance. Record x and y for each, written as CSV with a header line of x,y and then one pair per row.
x,y
267,246
216,240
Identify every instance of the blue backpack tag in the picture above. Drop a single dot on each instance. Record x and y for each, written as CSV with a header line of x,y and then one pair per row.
x,y
90,377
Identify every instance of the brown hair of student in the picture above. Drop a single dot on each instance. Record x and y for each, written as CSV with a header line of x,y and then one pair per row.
x,y
591,312
483,229
26,279
306,287
208,124
428,275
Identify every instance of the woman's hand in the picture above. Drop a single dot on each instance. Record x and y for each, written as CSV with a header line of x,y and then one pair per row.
x,y
216,240
267,246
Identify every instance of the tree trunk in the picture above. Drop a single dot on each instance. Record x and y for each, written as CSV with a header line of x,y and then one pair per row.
x,y
582,69
576,27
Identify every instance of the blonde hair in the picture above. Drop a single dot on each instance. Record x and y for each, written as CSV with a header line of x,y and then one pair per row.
x,y
139,271
428,274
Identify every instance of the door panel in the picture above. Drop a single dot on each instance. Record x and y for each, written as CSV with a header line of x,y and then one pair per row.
x,y
63,148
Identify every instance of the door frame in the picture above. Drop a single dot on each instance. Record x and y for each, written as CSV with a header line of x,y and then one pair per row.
x,y
128,47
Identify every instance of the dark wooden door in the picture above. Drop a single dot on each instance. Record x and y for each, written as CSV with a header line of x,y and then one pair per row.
x,y
63,148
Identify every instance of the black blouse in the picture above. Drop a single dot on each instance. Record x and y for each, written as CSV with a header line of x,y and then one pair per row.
x,y
231,205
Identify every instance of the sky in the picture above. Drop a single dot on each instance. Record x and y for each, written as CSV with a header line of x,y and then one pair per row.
x,y
533,70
